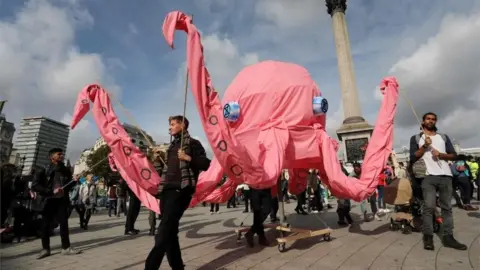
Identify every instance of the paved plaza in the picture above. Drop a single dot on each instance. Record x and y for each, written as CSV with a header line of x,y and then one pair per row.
x,y
209,242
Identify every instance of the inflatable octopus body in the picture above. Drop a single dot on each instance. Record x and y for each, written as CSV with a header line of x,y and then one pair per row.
x,y
272,117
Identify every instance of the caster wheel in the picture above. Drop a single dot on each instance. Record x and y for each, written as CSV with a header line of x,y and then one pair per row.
x,y
282,247
394,227
327,237
239,236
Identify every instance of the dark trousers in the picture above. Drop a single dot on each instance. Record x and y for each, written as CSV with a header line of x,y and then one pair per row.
x,y
273,213
301,200
214,207
261,206
317,200
174,203
232,202
430,185
152,220
132,212
55,208
464,185
80,211
86,213
343,210
112,205
21,220
247,195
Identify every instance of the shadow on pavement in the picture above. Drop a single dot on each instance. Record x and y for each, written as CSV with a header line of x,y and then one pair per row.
x,y
474,214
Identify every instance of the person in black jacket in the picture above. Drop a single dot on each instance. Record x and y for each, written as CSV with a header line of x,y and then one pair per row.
x,y
52,185
186,157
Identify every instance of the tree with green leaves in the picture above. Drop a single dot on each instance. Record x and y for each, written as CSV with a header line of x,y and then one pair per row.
x,y
97,162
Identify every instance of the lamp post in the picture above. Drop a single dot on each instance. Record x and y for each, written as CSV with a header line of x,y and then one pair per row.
x,y
22,162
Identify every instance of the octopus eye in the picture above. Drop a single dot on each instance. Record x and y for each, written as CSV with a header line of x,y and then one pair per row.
x,y
320,105
231,111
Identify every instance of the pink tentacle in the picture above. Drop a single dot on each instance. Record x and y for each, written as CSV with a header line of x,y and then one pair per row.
x,y
232,156
132,164
378,150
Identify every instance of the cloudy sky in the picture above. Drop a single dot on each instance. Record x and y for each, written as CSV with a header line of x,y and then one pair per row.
x,y
50,49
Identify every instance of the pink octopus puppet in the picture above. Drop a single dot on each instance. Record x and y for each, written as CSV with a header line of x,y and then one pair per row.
x,y
272,117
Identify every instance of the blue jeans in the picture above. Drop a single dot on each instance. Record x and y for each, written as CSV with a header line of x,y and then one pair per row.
x,y
381,202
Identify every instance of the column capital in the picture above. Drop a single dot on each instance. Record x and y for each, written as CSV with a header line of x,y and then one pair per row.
x,y
336,6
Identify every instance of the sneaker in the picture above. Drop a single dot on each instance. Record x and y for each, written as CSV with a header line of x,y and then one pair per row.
x,y
381,210
450,242
69,251
377,218
43,254
428,242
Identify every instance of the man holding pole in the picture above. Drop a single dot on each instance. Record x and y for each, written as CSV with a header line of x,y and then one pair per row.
x,y
51,184
186,157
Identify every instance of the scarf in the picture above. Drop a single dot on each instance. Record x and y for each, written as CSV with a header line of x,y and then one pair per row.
x,y
187,175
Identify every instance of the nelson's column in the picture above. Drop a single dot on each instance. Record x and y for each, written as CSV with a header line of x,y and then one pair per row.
x,y
354,132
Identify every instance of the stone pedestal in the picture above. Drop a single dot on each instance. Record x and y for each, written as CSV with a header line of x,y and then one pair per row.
x,y
355,131
352,140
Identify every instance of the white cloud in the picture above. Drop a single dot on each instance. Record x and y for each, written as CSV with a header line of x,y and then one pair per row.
x,y
132,28
223,60
442,76
46,70
289,15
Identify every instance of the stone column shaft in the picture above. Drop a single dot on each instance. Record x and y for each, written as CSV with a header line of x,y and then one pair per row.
x,y
351,104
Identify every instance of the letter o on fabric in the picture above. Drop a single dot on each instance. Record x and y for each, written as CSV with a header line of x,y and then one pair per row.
x,y
84,101
213,120
127,151
236,170
104,110
222,145
146,174
114,130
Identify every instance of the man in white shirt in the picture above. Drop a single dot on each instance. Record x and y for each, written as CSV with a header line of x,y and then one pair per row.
x,y
435,150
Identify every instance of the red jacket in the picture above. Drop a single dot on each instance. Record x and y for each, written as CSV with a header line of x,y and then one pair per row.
x,y
381,179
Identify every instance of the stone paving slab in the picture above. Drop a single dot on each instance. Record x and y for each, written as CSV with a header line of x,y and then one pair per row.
x,y
208,242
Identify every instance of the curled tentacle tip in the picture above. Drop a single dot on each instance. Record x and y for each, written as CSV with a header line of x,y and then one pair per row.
x,y
175,20
386,82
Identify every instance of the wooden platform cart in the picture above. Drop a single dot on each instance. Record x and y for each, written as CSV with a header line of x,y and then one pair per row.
x,y
283,228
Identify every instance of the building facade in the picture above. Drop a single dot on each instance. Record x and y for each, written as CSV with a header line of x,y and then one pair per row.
x,y
15,157
133,132
36,137
81,164
7,130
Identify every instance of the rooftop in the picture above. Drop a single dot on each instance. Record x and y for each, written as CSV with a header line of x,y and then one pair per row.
x,y
33,118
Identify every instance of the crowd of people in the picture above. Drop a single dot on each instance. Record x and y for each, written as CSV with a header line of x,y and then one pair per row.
x,y
435,171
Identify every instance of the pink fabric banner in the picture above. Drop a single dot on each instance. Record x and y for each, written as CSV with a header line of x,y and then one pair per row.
x,y
125,157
